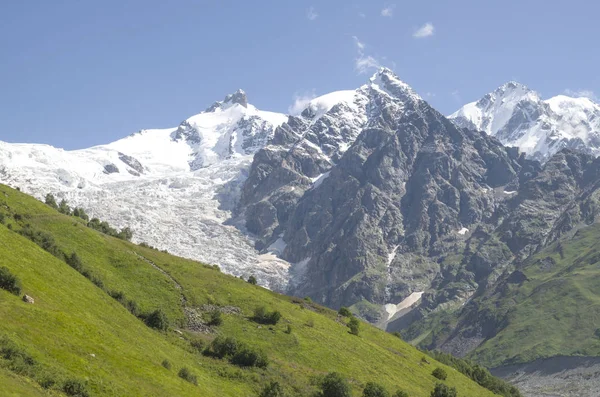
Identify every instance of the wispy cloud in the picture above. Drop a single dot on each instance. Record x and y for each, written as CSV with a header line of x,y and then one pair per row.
x,y
426,30
362,15
301,101
583,94
363,62
311,13
388,11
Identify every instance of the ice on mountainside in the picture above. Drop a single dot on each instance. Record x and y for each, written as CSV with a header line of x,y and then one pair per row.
x,y
517,116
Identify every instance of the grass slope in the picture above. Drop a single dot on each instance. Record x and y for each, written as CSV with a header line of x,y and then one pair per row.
x,y
556,311
75,330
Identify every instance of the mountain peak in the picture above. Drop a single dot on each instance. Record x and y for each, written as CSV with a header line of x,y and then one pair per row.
x,y
239,97
386,80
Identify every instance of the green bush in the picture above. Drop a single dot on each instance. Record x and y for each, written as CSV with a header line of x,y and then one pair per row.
x,y
246,356
167,364
334,385
354,326
187,375
344,311
51,201
222,347
375,390
441,390
439,373
75,388
9,281
215,318
400,393
273,389
252,280
262,316
157,320
197,344
64,208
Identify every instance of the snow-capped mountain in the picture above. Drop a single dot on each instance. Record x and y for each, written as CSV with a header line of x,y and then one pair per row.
x,y
519,117
174,187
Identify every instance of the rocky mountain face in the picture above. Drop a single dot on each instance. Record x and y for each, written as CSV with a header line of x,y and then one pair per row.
x,y
518,117
375,219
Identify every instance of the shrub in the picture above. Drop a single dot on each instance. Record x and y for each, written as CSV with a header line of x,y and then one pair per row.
x,y
334,385
74,261
64,208
51,201
222,347
47,381
167,364
187,375
439,373
252,280
246,356
9,281
307,299
354,326
400,393
262,316
441,390
344,311
215,318
157,320
273,389
375,390
125,234
75,388
288,329
397,334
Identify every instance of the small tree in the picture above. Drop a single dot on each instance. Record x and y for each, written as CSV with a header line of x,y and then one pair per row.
x,y
354,326
64,208
400,393
375,390
252,280
344,311
441,390
51,201
222,347
167,364
9,281
246,356
158,320
439,373
334,385
273,389
125,234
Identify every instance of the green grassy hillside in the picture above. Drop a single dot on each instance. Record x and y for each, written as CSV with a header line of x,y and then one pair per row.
x,y
556,311
76,332
550,306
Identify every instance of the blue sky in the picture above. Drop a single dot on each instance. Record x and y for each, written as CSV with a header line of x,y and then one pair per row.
x,y
82,73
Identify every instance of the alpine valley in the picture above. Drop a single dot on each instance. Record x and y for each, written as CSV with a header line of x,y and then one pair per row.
x,y
474,234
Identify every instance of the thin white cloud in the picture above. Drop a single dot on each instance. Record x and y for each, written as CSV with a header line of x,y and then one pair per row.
x,y
363,62
426,30
388,11
311,13
301,102
430,94
583,94
359,44
362,15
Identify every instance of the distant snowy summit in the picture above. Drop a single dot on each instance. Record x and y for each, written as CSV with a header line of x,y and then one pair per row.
x,y
519,117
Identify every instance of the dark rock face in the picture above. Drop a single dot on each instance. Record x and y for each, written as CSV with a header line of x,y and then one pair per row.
x,y
132,162
110,169
382,197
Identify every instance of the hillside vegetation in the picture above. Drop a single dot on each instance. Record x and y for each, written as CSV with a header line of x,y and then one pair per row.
x,y
549,306
87,332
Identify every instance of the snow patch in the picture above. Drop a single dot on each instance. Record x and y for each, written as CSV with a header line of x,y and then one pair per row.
x,y
463,231
316,182
410,300
510,192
